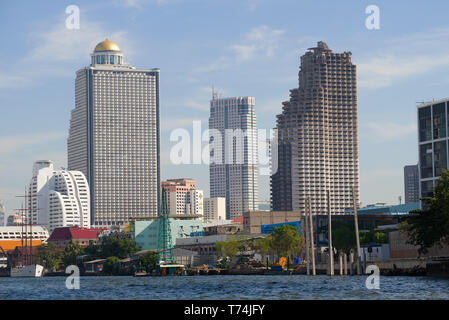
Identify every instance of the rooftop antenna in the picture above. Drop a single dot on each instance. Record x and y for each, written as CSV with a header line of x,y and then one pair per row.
x,y
214,94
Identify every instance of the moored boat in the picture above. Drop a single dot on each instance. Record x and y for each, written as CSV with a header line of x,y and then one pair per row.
x,y
29,271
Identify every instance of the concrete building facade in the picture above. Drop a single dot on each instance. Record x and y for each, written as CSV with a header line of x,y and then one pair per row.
x,y
234,154
183,198
318,136
114,136
59,198
253,220
433,142
145,232
214,209
2,214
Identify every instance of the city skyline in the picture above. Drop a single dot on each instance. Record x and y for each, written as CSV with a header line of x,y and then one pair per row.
x,y
236,63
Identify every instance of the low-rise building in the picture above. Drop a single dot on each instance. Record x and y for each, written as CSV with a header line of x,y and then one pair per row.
x,y
253,220
145,231
81,236
401,249
14,236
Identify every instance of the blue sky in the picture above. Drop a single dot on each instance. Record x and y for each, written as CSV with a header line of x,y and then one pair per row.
x,y
242,48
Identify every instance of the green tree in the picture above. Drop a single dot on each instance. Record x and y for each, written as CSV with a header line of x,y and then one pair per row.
x,y
230,247
93,251
343,236
48,256
70,254
262,246
110,266
148,261
121,248
430,226
286,241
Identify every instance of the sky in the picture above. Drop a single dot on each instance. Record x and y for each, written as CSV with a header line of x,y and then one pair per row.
x,y
241,48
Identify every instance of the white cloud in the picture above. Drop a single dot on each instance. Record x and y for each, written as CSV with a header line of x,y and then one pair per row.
x,y
261,40
402,58
382,71
388,131
56,50
11,144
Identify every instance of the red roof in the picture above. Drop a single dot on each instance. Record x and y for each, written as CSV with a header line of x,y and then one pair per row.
x,y
239,219
70,233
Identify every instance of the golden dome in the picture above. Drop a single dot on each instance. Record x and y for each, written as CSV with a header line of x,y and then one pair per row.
x,y
107,45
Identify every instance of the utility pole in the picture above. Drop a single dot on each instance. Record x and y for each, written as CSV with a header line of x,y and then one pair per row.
x,y
331,250
307,236
356,222
312,245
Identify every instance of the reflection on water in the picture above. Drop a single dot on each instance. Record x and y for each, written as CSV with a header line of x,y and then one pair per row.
x,y
225,287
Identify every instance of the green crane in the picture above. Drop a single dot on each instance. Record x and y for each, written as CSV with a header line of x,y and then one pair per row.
x,y
165,245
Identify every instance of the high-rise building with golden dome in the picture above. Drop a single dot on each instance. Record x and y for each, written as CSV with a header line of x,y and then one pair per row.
x,y
114,136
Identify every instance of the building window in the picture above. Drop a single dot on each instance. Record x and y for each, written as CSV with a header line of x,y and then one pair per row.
x,y
111,59
440,156
425,156
425,124
439,121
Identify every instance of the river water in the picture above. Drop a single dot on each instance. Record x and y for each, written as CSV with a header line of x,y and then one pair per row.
x,y
231,287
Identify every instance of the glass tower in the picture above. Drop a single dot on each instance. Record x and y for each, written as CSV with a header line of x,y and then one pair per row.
x,y
433,143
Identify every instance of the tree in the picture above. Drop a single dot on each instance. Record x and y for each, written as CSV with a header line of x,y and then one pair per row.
x,y
230,247
48,256
121,248
110,266
71,252
262,246
343,237
286,240
148,261
430,226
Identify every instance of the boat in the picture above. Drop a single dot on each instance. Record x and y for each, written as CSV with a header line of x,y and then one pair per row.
x,y
26,268
29,271
140,272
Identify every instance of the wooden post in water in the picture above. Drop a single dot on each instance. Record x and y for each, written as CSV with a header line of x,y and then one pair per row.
x,y
345,258
351,262
331,250
356,222
312,245
307,236
341,263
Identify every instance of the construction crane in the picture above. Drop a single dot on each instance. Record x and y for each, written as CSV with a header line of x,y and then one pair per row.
x,y
165,245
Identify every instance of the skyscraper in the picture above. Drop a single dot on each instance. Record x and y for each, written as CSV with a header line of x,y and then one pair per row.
x,y
433,142
59,198
411,183
233,169
2,214
114,136
317,136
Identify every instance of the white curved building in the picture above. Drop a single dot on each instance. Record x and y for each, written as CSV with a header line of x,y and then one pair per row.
x,y
59,198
